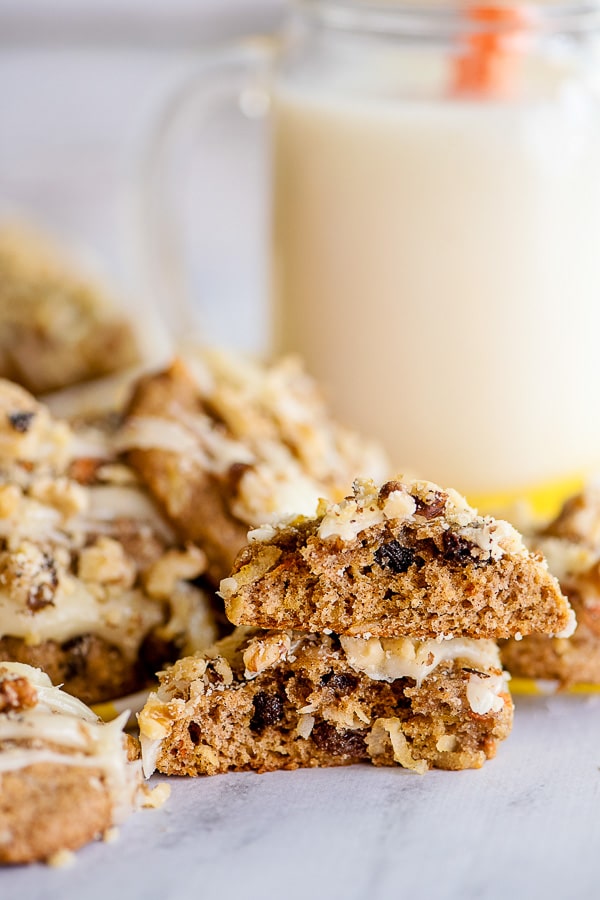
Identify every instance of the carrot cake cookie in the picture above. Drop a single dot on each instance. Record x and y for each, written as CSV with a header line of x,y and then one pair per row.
x,y
94,587
571,544
65,777
56,327
225,444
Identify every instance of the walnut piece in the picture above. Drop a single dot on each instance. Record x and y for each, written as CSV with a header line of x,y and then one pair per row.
x,y
175,565
66,496
261,653
105,562
16,694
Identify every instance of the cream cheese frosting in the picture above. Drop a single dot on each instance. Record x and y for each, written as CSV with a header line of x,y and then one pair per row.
x,y
386,659
122,619
78,535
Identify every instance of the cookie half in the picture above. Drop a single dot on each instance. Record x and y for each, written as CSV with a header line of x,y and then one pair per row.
x,y
266,700
407,559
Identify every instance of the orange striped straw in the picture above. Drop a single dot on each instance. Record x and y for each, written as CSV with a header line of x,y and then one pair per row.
x,y
488,66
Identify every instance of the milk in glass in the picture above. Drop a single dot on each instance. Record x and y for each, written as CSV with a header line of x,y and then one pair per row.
x,y
437,260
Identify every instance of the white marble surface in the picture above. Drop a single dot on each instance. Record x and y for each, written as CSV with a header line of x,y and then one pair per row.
x,y
525,826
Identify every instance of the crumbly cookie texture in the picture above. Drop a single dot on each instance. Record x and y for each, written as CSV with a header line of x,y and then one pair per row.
x,y
94,587
56,327
265,700
65,777
226,445
571,544
407,559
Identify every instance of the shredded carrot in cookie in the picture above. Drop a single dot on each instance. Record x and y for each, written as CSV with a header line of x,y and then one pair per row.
x,y
488,67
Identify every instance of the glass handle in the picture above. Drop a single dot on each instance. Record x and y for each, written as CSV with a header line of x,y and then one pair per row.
x,y
237,74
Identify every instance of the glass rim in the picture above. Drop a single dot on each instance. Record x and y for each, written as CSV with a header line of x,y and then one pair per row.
x,y
451,20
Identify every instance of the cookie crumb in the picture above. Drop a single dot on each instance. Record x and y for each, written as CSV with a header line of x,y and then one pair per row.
x,y
110,835
155,797
354,570
62,859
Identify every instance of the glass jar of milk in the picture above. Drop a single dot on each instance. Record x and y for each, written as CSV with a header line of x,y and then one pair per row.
x,y
436,232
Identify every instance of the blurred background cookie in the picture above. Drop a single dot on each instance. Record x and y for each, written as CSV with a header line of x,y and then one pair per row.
x,y
57,327
571,544
225,444
94,586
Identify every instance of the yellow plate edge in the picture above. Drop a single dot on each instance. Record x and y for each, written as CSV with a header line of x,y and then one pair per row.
x,y
543,500
133,703
542,688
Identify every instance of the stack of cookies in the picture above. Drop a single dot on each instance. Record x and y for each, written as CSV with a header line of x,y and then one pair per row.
x,y
365,632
